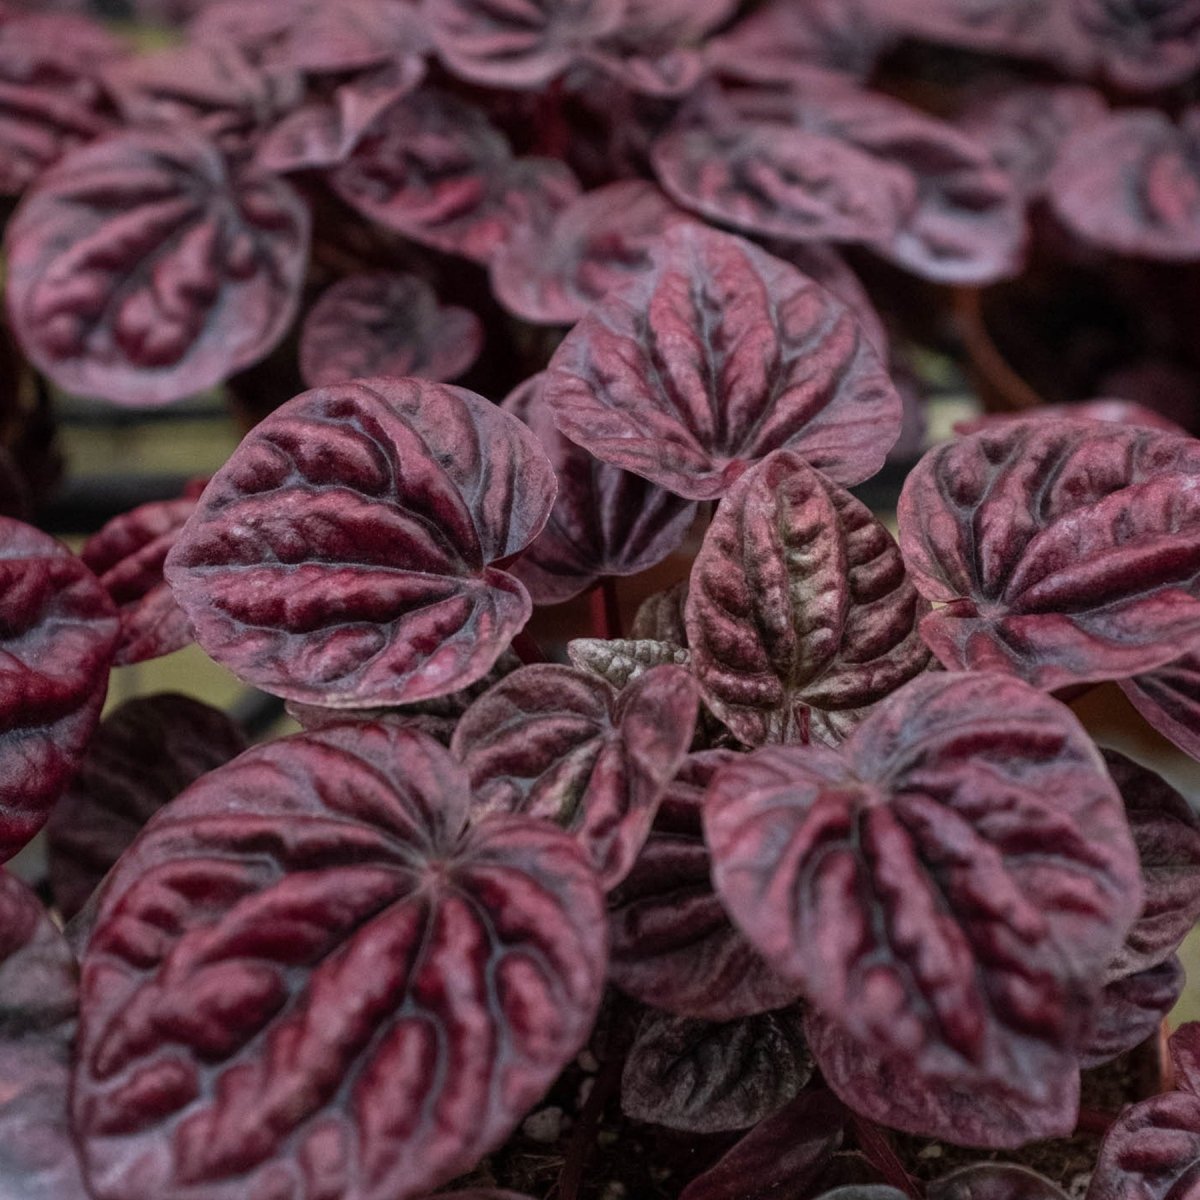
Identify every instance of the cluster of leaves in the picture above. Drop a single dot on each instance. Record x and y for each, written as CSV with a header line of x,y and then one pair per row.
x,y
822,823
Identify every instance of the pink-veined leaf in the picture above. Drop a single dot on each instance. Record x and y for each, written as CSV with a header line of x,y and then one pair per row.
x,y
144,267
342,556
555,743
1143,47
673,946
799,615
358,995
891,879
127,556
712,358
386,323
1169,698
1132,1009
142,756
57,636
605,521
1061,551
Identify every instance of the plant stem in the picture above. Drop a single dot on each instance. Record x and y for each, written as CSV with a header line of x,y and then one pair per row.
x,y
880,1153
605,610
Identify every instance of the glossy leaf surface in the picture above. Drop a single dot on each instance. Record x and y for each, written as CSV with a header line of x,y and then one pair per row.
x,y
341,557
144,268
555,743
892,880
1062,551
57,638
142,756
712,358
366,998
799,615
386,323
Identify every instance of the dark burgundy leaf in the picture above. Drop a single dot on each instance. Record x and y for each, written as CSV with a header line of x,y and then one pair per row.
x,y
1144,44
1185,1057
355,993
1169,698
57,636
386,323
660,617
781,1157
862,1191
1062,551
1131,1010
605,521
314,35
517,43
704,1077
128,555
994,1181
480,1194
620,661
1025,126
341,557
143,268
672,944
712,358
800,616
38,1000
1119,412
1166,832
1131,184
555,743
325,131
659,72
893,881
142,756
552,277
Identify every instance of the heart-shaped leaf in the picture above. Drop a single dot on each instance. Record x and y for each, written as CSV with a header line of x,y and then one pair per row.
x,y
144,267
1169,698
605,521
38,998
341,557
57,636
1132,1009
522,44
127,555
892,881
705,1077
712,358
142,756
386,323
1062,551
356,994
673,946
558,744
1143,47
1131,184
800,616
1166,832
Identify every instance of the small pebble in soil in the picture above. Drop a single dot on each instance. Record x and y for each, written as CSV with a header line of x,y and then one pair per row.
x,y
544,1126
588,1062
585,1090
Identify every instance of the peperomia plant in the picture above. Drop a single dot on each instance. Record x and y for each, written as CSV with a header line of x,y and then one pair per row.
x,y
804,878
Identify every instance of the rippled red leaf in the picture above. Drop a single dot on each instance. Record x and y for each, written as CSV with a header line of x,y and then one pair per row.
x,y
552,277
800,616
386,323
555,743
712,358
314,35
1169,698
892,881
57,637
144,268
358,994
127,555
517,43
1062,551
660,617
605,521
994,1181
1130,184
782,1156
142,756
620,661
705,1077
38,997
1143,46
342,556
1119,412
1166,832
672,943
1132,1009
